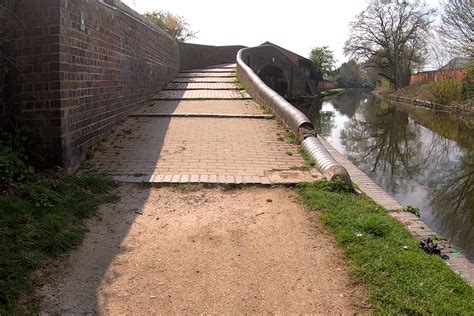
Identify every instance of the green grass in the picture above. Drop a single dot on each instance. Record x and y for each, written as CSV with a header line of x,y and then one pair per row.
x,y
447,90
291,138
43,220
267,110
309,163
86,164
239,85
398,280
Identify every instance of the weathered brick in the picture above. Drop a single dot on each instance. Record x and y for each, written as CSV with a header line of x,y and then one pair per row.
x,y
103,72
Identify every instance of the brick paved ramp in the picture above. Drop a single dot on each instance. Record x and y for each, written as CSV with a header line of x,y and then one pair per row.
x,y
248,107
204,79
220,136
200,86
202,95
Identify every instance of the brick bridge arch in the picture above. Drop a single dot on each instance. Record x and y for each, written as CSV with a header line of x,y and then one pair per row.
x,y
265,58
275,78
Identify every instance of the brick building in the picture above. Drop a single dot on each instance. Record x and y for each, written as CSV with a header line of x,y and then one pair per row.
x,y
455,68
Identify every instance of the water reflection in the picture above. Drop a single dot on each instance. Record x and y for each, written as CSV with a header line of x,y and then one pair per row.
x,y
424,159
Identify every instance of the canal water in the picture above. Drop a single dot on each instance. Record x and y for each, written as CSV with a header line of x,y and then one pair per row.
x,y
423,158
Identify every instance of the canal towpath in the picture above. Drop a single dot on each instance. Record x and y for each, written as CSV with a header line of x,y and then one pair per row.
x,y
186,247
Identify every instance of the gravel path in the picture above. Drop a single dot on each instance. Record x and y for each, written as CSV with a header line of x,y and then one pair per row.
x,y
175,250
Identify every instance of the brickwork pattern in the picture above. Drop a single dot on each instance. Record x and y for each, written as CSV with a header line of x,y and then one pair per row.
x,y
200,86
83,67
206,74
195,106
112,64
153,147
197,146
37,91
201,94
208,80
200,56
210,70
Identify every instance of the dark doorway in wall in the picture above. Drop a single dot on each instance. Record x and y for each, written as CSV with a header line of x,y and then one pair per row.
x,y
275,78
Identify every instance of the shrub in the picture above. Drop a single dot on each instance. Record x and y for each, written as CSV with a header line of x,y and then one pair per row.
x,y
469,80
12,165
447,90
13,159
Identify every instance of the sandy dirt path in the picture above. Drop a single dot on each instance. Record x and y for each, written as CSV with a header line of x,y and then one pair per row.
x,y
168,250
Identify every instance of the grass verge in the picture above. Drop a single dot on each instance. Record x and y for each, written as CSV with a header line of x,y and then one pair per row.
x,y
40,221
400,277
239,85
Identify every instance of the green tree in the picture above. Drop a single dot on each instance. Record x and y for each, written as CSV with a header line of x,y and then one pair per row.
x,y
173,24
391,37
349,75
323,59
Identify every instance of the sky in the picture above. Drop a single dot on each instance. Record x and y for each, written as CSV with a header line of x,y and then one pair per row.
x,y
297,25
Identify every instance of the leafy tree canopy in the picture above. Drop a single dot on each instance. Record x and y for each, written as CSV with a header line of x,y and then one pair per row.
x,y
173,24
323,59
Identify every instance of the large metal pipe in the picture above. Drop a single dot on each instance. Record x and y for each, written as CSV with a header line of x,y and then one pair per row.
x,y
295,120
293,117
324,161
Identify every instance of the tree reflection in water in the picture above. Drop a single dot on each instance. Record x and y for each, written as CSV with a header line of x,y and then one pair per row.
x,y
381,141
425,159
323,121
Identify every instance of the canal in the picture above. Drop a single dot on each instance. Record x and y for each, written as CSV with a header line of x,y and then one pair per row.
x,y
423,158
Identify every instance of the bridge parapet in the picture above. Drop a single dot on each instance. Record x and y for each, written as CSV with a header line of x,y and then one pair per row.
x,y
294,118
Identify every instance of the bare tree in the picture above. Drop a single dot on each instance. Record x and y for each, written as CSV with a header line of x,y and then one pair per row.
x,y
457,26
391,37
439,55
173,24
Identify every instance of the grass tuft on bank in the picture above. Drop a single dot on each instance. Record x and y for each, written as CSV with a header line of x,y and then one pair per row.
x,y
42,220
399,280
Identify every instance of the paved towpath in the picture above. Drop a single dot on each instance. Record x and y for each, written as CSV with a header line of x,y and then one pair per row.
x,y
197,249
202,129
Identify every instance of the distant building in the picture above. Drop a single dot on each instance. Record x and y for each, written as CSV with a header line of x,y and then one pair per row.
x,y
457,63
303,63
455,68
326,84
307,67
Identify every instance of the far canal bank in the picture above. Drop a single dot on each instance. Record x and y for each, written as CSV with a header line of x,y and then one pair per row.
x,y
423,158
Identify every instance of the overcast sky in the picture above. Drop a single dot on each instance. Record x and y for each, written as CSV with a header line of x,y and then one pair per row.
x,y
297,25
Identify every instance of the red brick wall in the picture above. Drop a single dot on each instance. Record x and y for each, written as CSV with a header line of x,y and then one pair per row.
x,y
197,56
325,85
85,65
37,91
436,75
